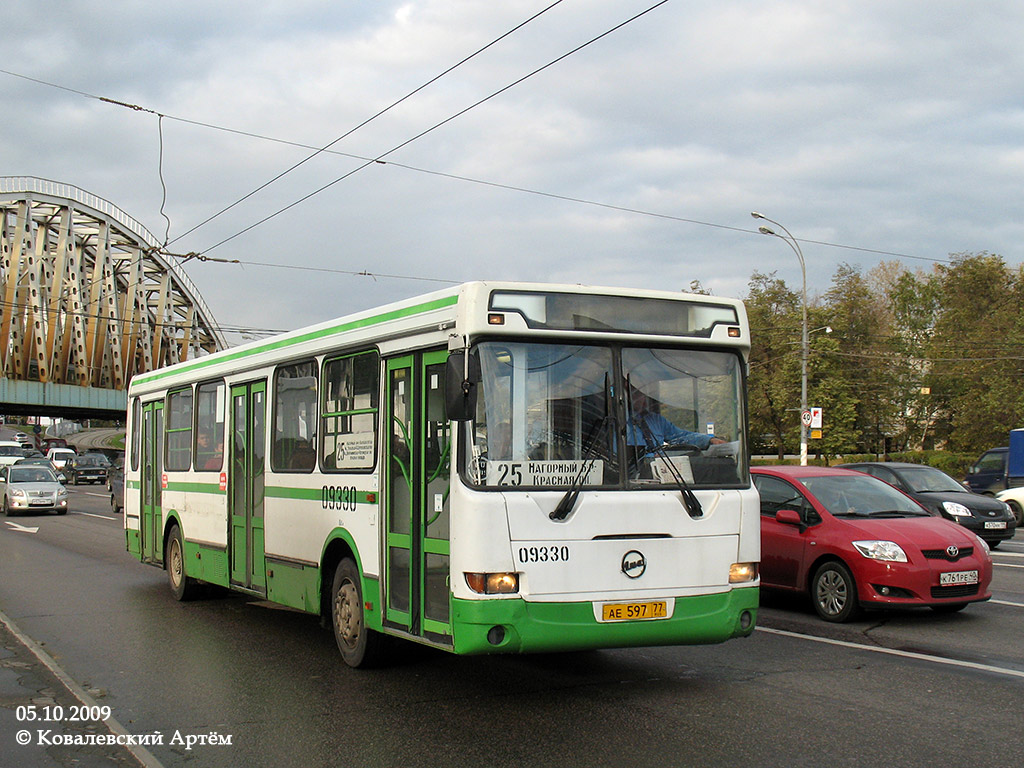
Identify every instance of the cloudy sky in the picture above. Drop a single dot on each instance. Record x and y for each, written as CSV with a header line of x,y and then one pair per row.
x,y
872,130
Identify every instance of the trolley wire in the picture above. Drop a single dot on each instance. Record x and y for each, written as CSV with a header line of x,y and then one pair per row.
x,y
370,119
442,174
437,125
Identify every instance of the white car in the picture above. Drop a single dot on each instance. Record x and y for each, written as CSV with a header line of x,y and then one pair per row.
x,y
10,452
31,488
60,456
1015,498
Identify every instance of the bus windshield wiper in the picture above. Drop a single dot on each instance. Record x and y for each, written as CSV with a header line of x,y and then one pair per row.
x,y
690,501
568,500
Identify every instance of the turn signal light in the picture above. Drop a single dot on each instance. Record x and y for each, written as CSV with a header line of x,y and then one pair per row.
x,y
742,572
493,583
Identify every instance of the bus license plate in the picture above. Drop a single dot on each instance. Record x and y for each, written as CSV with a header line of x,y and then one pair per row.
x,y
996,524
958,577
634,611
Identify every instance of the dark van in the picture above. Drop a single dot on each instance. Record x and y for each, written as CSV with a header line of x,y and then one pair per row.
x,y
988,475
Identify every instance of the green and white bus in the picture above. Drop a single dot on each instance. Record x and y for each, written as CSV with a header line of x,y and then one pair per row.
x,y
494,468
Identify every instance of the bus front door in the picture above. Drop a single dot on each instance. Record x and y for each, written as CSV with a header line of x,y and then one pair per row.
x,y
245,486
151,506
417,466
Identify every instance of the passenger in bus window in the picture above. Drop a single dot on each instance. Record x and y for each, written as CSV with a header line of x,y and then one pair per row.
x,y
216,459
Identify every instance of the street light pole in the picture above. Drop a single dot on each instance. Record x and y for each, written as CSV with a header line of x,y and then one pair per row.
x,y
804,347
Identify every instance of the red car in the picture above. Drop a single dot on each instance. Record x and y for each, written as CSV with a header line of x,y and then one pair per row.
x,y
850,541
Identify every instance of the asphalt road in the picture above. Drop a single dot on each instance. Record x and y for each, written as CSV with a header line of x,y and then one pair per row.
x,y
910,689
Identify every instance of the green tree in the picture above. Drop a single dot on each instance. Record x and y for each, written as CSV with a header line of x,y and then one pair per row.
x,y
774,381
976,351
858,369
914,305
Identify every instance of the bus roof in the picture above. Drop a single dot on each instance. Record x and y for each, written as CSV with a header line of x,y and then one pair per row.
x,y
433,313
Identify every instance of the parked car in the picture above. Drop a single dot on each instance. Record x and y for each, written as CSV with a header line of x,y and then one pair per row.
x,y
1014,497
60,456
89,468
42,461
988,474
31,488
990,518
851,541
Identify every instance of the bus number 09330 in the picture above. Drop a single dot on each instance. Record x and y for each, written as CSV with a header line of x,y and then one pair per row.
x,y
544,554
341,497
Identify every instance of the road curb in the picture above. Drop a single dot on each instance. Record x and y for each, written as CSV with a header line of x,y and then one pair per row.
x,y
32,666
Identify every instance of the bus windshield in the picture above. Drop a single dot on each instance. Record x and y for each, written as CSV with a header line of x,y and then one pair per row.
x,y
556,415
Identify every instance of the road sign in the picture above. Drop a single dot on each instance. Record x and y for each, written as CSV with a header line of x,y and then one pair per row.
x,y
815,418
805,418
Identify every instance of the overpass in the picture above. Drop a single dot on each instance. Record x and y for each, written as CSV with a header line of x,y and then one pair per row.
x,y
87,300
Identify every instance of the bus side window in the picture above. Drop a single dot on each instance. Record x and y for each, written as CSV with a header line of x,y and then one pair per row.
x,y
348,422
179,430
295,397
209,451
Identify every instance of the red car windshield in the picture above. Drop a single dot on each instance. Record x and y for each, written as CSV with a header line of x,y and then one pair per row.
x,y
861,496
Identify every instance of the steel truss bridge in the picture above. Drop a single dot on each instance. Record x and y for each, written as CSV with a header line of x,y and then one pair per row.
x,y
86,302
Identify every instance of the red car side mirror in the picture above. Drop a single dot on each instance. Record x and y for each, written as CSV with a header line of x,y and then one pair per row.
x,y
790,517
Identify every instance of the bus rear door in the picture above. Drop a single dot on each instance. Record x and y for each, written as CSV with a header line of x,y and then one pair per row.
x,y
245,486
151,506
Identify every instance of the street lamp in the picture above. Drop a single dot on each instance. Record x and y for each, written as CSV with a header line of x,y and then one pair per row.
x,y
792,243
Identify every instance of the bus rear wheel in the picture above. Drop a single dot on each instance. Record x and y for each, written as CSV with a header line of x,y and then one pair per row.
x,y
359,645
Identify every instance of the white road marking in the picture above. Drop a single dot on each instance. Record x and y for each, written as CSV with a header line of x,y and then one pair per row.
x,y
22,528
902,654
101,517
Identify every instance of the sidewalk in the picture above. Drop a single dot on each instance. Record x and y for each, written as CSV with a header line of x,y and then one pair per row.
x,y
30,689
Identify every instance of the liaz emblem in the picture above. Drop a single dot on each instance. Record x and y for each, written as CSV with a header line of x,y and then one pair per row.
x,y
634,564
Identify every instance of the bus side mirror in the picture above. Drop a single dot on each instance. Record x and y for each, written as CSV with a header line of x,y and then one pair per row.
x,y
461,383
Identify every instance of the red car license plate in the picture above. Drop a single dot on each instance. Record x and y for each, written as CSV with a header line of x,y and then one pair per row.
x,y
958,577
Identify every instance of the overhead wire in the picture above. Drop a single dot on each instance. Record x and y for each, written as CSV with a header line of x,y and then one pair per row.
x,y
373,117
434,127
458,177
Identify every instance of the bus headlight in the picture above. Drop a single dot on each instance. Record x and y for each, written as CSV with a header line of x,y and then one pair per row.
x,y
741,572
493,583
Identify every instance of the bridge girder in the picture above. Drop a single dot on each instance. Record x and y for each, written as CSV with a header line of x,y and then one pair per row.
x,y
85,296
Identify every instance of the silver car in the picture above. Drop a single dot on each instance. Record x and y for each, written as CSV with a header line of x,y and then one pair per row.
x,y
31,488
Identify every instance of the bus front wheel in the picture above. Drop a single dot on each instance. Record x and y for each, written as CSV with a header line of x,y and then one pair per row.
x,y
183,587
359,645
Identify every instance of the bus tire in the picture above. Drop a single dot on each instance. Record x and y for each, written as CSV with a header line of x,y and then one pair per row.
x,y
359,645
183,587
